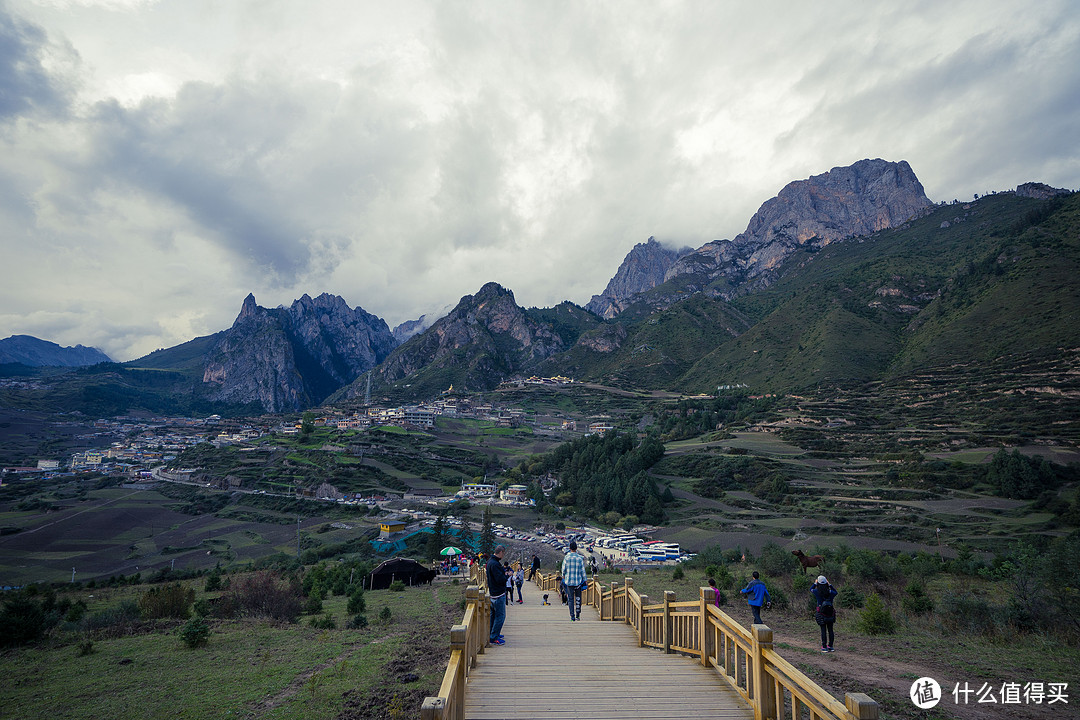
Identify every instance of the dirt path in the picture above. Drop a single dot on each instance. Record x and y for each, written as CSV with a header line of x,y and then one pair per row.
x,y
886,668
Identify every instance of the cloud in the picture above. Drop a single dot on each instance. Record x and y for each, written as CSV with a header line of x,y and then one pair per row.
x,y
26,85
402,156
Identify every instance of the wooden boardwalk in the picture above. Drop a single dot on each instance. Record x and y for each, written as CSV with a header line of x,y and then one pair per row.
x,y
555,669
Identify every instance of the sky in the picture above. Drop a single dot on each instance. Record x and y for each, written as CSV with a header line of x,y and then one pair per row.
x,y
161,159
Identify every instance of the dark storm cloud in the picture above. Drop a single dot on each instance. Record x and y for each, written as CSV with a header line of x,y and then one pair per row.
x,y
25,85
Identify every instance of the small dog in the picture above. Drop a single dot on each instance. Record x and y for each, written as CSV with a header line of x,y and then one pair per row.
x,y
545,600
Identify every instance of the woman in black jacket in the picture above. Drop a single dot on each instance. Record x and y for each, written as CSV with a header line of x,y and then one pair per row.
x,y
824,613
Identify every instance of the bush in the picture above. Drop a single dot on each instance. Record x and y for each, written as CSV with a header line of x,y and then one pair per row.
x,y
266,594
850,597
677,574
22,620
875,619
397,586
313,606
358,622
169,601
118,616
385,615
967,614
195,632
915,601
86,647
323,622
357,604
775,560
213,582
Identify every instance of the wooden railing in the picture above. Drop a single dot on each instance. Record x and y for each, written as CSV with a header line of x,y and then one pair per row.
x,y
467,640
745,659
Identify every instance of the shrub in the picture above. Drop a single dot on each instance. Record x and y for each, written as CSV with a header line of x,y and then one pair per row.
x,y
357,604
915,601
711,570
266,594
397,586
213,581
385,615
358,622
850,597
202,608
677,574
195,632
118,616
968,614
22,620
75,611
313,606
86,647
777,596
168,601
866,565
323,622
775,560
875,619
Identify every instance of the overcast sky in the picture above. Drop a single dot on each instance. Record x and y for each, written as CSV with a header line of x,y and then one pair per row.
x,y
159,160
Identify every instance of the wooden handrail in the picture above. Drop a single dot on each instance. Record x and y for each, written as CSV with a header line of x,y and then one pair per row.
x,y
744,658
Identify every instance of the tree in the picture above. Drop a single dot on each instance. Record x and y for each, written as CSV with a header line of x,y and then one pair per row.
x,y
437,541
487,533
307,423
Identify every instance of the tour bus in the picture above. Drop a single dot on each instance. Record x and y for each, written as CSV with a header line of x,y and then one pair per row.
x,y
627,545
650,554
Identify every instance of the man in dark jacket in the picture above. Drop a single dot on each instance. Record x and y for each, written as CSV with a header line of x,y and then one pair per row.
x,y
496,582
535,567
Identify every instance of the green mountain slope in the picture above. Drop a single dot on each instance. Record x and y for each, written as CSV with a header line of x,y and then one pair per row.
x,y
963,282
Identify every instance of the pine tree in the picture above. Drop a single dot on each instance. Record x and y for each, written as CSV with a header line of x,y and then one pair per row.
x,y
487,533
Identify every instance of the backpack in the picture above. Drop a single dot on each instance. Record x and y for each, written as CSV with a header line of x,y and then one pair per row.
x,y
826,609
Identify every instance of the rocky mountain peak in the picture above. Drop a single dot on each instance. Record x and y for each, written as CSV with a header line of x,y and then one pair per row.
x,y
288,358
643,268
248,309
856,200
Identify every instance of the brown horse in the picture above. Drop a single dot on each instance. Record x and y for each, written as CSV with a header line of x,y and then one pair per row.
x,y
808,560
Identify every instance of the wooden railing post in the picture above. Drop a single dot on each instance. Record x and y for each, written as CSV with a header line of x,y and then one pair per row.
x,y
669,597
861,706
457,642
484,619
627,584
764,694
703,625
641,622
434,708
614,589
476,641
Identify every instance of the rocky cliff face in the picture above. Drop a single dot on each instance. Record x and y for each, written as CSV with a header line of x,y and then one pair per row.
x,y
482,340
643,268
291,358
863,198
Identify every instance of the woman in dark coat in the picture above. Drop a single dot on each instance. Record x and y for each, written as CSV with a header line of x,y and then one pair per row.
x,y
824,613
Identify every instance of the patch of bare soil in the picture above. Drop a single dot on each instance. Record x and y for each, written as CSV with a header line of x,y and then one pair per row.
x,y
858,665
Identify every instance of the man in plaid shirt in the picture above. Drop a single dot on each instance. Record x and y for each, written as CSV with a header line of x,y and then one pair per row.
x,y
573,575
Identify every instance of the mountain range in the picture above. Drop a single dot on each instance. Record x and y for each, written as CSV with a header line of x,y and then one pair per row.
x,y
849,276
30,351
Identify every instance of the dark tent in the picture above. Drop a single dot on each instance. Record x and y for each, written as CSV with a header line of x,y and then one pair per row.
x,y
407,571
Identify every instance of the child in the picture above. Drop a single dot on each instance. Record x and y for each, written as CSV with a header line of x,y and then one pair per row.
x,y
545,600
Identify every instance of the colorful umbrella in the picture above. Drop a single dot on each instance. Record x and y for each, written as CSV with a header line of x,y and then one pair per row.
x,y
450,551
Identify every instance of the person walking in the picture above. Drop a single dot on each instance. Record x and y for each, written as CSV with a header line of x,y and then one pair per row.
x,y
757,595
496,582
519,580
573,575
824,613
534,567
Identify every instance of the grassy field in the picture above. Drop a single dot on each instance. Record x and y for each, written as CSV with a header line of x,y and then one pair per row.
x,y
248,669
